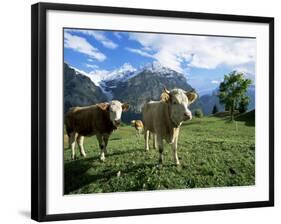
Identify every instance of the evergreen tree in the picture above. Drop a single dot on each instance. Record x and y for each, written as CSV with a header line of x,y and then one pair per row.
x,y
215,109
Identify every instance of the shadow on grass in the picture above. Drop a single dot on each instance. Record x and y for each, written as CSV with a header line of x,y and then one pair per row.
x,y
110,152
76,176
248,122
117,153
115,138
75,171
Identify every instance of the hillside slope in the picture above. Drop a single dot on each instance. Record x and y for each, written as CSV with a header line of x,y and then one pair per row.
x,y
79,90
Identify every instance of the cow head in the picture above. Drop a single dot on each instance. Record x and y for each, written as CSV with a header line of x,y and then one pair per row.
x,y
115,109
178,101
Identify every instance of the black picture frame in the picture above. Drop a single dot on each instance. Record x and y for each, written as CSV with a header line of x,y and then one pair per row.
x,y
38,109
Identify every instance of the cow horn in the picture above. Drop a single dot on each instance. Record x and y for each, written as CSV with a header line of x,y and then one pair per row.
x,y
166,91
165,96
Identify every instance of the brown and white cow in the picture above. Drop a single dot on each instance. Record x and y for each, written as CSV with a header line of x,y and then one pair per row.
x,y
100,120
163,118
138,125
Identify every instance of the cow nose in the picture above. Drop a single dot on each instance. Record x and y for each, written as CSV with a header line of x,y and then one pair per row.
x,y
188,116
117,122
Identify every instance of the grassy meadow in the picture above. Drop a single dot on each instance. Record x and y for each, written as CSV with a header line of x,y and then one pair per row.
x,y
213,153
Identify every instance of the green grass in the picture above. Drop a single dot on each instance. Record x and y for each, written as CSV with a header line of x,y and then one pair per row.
x,y
213,152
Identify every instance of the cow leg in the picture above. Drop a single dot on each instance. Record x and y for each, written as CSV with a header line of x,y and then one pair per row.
x,y
154,141
80,141
72,140
68,131
101,144
69,142
146,139
175,151
160,148
105,139
140,132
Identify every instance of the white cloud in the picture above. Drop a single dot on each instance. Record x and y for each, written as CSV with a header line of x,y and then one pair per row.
x,y
98,35
92,66
246,69
215,82
90,60
81,45
181,51
118,35
140,52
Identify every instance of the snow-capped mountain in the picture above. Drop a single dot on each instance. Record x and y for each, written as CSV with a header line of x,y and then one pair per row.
x,y
79,90
138,86
109,80
123,73
146,85
97,76
157,68
135,86
126,72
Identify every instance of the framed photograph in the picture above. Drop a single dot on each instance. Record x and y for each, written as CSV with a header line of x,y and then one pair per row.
x,y
139,111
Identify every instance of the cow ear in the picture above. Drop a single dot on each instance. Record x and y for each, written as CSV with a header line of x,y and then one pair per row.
x,y
165,96
192,96
125,107
103,106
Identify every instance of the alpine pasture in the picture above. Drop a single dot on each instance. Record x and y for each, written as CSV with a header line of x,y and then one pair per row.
x,y
213,152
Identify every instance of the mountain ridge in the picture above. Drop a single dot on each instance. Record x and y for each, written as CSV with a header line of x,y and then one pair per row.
x,y
79,90
136,87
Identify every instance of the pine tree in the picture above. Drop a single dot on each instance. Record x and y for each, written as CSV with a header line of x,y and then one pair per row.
x,y
215,109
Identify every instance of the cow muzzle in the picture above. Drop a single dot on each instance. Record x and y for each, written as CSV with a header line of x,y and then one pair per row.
x,y
187,116
117,123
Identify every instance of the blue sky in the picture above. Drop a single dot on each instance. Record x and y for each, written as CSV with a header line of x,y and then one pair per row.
x,y
204,60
